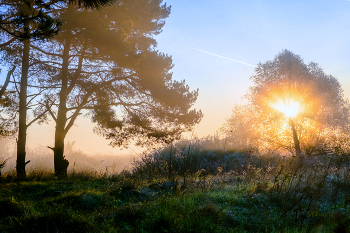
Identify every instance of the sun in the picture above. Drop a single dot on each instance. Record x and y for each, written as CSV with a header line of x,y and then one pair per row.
x,y
290,109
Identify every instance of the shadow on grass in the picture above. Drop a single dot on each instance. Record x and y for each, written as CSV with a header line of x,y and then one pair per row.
x,y
57,222
10,208
83,202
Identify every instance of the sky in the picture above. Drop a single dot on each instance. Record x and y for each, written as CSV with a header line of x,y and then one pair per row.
x,y
215,46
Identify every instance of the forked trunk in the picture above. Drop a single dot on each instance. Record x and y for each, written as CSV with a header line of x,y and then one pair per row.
x,y
61,164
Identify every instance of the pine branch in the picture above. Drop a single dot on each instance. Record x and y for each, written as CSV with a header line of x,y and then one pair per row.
x,y
2,91
8,42
38,117
44,52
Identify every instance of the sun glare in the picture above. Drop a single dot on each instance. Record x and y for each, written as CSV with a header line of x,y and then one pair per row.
x,y
290,109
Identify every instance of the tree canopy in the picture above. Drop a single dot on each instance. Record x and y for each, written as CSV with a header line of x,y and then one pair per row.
x,y
102,63
320,110
105,64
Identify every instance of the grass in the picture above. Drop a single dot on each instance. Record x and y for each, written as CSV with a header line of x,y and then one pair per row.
x,y
263,194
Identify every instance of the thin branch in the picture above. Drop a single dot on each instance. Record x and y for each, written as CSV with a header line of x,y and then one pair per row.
x,y
2,91
48,87
35,119
113,104
50,111
8,42
47,53
34,96
76,113
77,73
33,105
14,80
11,33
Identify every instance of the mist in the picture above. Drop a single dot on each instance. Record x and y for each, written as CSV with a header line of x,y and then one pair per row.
x,y
174,116
41,160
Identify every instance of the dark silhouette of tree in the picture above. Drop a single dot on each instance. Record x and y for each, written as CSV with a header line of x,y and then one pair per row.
x,y
106,65
21,22
322,109
91,4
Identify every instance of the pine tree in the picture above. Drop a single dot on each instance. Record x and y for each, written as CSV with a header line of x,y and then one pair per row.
x,y
106,62
21,22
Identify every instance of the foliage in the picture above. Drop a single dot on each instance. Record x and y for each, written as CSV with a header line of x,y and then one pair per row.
x,y
239,130
187,158
323,111
104,61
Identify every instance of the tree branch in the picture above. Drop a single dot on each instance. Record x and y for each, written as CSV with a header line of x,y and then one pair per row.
x,y
47,53
11,33
35,119
76,113
2,91
14,80
50,111
8,42
77,73
48,87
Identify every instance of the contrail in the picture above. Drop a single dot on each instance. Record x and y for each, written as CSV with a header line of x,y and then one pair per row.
x,y
225,58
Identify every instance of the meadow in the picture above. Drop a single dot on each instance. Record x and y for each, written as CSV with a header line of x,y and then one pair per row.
x,y
185,187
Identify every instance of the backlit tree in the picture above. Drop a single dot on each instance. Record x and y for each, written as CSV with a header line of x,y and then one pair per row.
x,y
299,106
21,23
105,63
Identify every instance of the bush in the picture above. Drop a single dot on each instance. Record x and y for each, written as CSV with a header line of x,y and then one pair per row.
x,y
186,158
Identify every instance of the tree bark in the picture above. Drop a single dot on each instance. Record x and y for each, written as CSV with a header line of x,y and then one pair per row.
x,y
22,124
60,163
295,139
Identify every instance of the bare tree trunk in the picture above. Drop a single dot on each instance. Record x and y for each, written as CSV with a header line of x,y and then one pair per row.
x,y
295,139
61,164
22,125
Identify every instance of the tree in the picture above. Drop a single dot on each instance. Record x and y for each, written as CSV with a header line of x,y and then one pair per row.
x,y
22,21
106,62
285,85
239,129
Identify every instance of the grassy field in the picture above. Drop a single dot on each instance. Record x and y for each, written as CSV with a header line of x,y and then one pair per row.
x,y
289,196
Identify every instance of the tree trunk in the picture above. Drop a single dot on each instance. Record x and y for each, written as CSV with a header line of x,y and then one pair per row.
x,y
22,124
295,139
61,164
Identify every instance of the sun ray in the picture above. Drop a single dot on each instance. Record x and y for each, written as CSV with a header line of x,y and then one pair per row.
x,y
289,109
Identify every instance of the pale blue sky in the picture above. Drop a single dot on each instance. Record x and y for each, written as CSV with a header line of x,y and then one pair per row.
x,y
248,31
